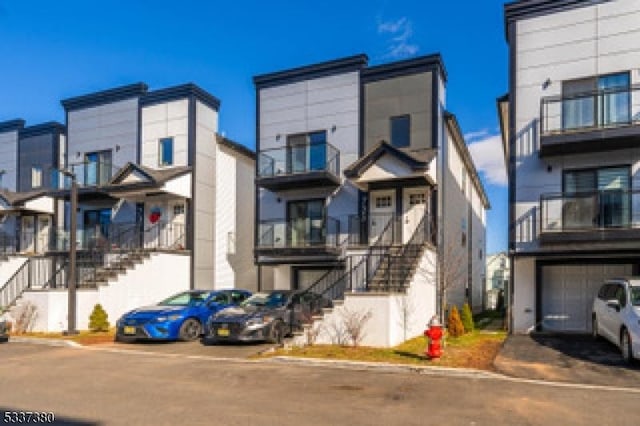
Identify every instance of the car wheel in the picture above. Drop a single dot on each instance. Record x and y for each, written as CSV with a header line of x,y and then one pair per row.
x,y
190,330
594,328
277,333
625,347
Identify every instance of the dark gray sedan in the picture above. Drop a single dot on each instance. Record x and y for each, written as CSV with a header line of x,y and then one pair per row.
x,y
268,316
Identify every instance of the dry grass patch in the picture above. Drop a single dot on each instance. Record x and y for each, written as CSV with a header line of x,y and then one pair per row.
x,y
473,350
83,337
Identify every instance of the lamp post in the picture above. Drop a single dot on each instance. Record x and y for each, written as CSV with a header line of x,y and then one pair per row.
x,y
71,276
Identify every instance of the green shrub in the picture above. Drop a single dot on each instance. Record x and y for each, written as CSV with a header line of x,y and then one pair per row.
x,y
454,324
467,318
98,320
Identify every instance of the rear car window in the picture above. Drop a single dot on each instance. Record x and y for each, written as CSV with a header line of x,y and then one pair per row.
x,y
611,292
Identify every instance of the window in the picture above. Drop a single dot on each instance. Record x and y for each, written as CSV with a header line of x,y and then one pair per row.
x,y
165,154
178,209
401,131
306,222
221,298
98,168
237,297
582,108
36,176
307,152
596,198
383,201
621,295
416,199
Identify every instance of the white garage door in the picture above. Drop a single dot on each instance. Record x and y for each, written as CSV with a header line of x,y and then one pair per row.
x,y
568,292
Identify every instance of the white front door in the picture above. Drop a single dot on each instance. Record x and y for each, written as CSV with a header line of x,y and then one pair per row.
x,y
382,206
42,242
415,205
176,226
27,238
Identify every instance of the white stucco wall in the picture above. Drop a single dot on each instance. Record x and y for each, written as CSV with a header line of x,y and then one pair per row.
x,y
158,277
394,317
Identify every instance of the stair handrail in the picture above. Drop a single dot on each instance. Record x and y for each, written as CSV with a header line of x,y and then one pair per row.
x,y
413,248
17,282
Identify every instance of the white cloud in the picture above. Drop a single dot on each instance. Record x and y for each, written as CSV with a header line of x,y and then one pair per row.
x,y
488,157
474,136
399,44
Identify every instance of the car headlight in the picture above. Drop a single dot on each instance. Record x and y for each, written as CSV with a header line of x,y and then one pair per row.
x,y
264,320
165,318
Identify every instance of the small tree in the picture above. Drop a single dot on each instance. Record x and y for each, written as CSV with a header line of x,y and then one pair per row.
x,y
454,324
467,318
98,320
354,322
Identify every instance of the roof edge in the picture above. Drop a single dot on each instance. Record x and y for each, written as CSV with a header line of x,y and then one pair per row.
x,y
43,129
320,69
406,67
105,96
179,92
11,125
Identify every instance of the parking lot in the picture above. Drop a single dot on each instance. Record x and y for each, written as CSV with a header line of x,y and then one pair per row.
x,y
230,350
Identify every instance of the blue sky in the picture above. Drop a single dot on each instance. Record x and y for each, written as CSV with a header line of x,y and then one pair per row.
x,y
55,50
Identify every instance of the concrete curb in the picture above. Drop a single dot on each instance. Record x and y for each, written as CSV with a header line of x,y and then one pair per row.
x,y
387,367
45,341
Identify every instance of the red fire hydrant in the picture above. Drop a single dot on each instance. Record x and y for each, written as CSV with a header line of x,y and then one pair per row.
x,y
434,333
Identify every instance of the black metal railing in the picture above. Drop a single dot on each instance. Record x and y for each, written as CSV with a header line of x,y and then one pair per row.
x,y
362,230
600,109
299,159
595,210
299,233
424,233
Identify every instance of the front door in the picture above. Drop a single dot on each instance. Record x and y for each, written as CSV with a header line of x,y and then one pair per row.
x,y
96,227
175,228
27,234
415,205
382,208
44,225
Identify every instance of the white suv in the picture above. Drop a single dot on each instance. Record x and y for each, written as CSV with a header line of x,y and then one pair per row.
x,y
616,315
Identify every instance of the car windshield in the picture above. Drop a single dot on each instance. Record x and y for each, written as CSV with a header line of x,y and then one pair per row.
x,y
635,295
188,298
271,300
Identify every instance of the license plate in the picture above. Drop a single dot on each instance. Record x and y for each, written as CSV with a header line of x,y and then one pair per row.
x,y
224,332
129,330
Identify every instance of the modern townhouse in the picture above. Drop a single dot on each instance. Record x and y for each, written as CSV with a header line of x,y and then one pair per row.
x,y
365,192
571,132
164,203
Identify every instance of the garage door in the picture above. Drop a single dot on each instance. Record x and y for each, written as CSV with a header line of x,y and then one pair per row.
x,y
568,292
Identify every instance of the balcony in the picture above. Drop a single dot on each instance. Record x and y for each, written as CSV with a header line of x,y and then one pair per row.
x,y
612,215
299,166
597,121
299,237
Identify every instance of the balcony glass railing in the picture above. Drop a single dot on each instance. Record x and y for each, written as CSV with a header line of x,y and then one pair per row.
x,y
299,159
601,109
590,211
299,233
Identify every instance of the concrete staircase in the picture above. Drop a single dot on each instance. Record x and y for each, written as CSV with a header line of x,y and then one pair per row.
x,y
125,262
395,272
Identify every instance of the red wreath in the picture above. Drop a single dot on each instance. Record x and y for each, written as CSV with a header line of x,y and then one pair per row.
x,y
155,215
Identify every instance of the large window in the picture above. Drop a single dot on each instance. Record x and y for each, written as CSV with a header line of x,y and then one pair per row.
x,y
306,222
596,197
401,131
307,152
36,177
596,101
98,168
165,152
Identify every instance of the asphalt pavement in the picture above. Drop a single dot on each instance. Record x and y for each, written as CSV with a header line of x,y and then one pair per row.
x,y
102,386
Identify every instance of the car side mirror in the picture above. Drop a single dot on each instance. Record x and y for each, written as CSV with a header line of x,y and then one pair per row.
x,y
614,304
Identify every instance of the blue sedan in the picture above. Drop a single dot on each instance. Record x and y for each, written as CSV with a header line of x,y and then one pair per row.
x,y
180,317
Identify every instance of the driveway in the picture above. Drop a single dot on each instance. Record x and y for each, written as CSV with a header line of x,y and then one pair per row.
x,y
566,358
234,351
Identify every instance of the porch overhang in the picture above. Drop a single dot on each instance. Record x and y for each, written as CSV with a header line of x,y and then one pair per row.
x,y
17,203
137,183
386,164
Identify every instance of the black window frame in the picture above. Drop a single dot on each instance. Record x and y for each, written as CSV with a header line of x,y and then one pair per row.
x,y
397,118
161,163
